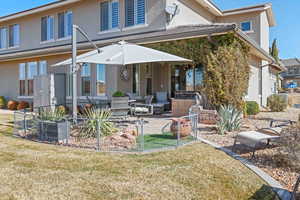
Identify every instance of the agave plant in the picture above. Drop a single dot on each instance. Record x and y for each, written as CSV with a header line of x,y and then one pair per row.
x,y
230,119
51,115
95,116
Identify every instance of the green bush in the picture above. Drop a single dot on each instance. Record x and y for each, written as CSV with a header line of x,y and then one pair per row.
x,y
252,108
118,94
276,103
230,119
2,102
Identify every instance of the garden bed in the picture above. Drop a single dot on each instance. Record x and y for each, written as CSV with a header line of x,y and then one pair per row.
x,y
267,159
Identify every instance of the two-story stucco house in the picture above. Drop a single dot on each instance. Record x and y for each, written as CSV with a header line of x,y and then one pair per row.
x,y
33,40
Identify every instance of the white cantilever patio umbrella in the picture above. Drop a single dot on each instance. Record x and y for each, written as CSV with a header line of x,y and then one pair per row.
x,y
123,53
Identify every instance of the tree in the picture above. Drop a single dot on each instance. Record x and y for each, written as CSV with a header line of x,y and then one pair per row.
x,y
274,51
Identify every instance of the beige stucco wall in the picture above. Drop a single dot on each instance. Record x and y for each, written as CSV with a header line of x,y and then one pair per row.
x,y
264,31
253,17
254,80
190,12
86,14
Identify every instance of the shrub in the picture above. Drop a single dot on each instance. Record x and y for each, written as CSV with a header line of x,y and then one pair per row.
x,y
276,103
290,146
2,102
23,105
12,105
230,119
252,108
89,129
118,94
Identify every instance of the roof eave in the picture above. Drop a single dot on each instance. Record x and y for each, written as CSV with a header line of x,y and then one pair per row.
x,y
38,9
265,7
211,7
258,50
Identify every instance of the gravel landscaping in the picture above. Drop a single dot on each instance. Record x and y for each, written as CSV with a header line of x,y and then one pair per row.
x,y
267,158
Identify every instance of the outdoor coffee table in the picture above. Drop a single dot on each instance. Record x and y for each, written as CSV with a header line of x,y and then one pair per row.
x,y
158,108
252,139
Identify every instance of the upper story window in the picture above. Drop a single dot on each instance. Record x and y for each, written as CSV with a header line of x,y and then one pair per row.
x,y
14,35
3,38
246,26
134,12
65,22
47,28
109,15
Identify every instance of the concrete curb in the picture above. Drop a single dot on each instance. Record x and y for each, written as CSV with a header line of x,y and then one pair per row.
x,y
276,186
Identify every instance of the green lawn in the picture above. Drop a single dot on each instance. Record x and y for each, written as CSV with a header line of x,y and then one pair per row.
x,y
37,171
158,141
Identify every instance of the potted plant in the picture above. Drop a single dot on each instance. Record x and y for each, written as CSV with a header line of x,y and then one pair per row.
x,y
119,99
53,126
184,126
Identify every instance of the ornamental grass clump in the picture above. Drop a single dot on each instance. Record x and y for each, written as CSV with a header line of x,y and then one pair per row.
x,y
95,116
230,119
52,115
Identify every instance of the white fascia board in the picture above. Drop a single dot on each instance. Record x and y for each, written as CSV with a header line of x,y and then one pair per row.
x,y
37,10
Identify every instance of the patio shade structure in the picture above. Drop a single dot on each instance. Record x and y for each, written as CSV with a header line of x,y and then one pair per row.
x,y
121,53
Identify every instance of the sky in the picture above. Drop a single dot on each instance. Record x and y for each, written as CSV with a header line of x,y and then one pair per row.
x,y
287,15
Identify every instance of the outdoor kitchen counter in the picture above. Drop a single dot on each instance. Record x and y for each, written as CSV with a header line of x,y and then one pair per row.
x,y
180,107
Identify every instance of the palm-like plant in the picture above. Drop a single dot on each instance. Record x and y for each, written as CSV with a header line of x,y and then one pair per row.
x,y
230,119
53,115
95,116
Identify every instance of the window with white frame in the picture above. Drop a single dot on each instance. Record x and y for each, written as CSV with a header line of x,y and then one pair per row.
x,y
86,80
65,22
3,38
27,72
31,73
109,15
14,35
101,80
134,12
246,26
47,28
22,79
43,68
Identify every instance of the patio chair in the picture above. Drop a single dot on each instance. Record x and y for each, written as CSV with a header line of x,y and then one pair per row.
x,y
162,98
252,139
139,109
120,108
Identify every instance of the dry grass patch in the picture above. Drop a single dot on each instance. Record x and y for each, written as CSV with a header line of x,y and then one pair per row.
x,y
38,171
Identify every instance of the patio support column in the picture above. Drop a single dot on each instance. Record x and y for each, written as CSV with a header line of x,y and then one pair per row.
x,y
74,73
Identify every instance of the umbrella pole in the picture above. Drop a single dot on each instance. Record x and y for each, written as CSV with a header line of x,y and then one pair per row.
x,y
74,73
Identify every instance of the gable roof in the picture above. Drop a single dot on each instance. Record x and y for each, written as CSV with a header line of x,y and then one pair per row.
x,y
261,7
291,62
